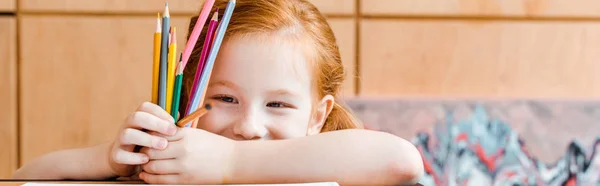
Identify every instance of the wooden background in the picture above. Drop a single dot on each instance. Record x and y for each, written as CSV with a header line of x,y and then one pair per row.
x,y
71,70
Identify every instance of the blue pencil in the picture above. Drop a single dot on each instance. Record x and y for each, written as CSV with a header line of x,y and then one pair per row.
x,y
164,50
212,55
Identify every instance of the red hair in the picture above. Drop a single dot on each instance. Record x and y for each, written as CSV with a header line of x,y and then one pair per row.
x,y
300,20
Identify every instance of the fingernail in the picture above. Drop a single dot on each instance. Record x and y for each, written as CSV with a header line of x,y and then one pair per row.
x,y
145,159
160,144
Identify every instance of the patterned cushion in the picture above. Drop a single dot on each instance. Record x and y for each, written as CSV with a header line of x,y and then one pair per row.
x,y
466,142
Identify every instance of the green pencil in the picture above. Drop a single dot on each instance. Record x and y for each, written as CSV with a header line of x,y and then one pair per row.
x,y
177,90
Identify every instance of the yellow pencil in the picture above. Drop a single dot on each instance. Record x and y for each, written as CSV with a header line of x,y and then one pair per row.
x,y
172,64
156,66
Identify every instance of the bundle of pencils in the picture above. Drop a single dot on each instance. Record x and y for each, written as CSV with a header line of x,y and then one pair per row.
x,y
167,74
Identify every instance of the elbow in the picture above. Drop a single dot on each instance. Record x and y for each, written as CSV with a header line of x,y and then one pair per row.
x,y
24,173
412,175
407,165
18,175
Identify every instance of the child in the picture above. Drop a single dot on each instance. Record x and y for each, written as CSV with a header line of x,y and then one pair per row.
x,y
277,76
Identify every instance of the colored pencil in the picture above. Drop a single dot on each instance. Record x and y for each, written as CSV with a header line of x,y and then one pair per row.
x,y
162,85
156,63
172,64
213,55
177,89
194,115
208,4
208,40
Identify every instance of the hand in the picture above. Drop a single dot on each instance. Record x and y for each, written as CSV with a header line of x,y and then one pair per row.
x,y
149,117
193,156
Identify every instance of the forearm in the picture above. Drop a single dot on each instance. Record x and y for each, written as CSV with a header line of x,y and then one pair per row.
x,y
353,157
85,163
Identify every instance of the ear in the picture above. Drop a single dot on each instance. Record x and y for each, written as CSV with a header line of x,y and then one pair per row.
x,y
318,119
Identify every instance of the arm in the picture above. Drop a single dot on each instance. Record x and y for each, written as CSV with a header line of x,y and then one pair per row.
x,y
353,157
107,160
83,163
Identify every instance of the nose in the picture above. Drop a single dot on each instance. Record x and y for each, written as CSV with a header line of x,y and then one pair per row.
x,y
250,127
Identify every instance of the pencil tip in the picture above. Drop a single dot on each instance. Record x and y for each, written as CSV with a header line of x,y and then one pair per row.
x,y
166,13
173,32
215,15
179,67
207,106
158,24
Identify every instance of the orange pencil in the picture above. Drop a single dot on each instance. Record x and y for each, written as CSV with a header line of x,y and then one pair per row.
x,y
156,65
194,115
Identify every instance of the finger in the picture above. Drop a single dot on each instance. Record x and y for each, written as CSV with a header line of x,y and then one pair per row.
x,y
129,158
172,151
171,138
159,179
170,166
181,133
136,137
145,120
157,111
159,134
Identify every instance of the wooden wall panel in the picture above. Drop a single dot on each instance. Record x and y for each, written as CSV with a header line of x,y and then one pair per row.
x,y
344,30
153,6
8,97
8,5
553,8
81,76
479,58
347,7
111,6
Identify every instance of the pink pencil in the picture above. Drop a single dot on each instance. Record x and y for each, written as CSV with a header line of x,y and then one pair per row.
x,y
189,46
205,49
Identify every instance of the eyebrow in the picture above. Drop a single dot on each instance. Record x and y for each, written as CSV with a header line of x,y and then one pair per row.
x,y
278,92
224,83
281,92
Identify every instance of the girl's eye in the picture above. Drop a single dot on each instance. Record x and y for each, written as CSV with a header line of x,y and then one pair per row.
x,y
226,99
279,105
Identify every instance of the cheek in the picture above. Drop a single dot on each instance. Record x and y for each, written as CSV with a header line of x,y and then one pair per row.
x,y
290,125
217,120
